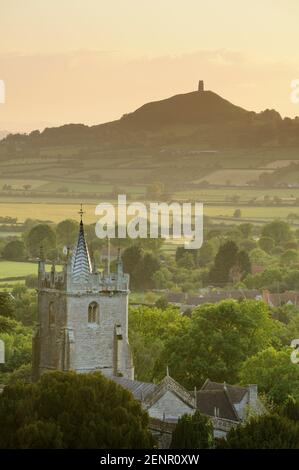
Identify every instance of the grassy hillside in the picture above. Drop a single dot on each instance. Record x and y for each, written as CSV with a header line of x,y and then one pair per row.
x,y
191,108
190,145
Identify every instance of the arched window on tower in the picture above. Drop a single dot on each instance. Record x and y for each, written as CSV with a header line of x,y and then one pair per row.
x,y
51,314
93,313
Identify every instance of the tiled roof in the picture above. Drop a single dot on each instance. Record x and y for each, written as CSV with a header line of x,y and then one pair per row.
x,y
210,400
213,397
169,384
235,393
81,264
277,299
140,390
213,296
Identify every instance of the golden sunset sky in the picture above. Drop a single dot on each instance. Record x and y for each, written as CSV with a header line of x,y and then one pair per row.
x,y
91,61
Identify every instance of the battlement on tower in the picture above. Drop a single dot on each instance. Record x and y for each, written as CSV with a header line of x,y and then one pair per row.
x,y
95,282
79,274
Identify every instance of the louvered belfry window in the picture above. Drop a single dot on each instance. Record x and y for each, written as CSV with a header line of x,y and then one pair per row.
x,y
93,313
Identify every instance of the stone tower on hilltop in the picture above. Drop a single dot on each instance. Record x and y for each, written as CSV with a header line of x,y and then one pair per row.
x,y
82,317
201,86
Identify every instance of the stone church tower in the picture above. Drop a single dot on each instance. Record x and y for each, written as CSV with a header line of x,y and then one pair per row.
x,y
82,317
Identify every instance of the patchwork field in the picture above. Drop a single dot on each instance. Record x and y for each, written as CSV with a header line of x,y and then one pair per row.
x,y
56,212
245,195
20,183
65,186
263,213
47,211
233,177
279,164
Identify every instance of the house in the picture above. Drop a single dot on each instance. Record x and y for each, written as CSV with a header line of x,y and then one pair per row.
x,y
278,299
186,301
227,406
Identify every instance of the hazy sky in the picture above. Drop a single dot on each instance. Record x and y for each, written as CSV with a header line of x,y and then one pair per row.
x,y
93,60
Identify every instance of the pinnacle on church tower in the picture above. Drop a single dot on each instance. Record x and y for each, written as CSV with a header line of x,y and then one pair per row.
x,y
79,326
81,263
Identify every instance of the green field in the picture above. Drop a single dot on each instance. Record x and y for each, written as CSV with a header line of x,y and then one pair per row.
x,y
9,234
9,286
57,212
236,177
265,213
19,282
245,194
67,186
47,211
17,269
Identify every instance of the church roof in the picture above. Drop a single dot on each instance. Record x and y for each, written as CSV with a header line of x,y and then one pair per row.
x,y
213,396
235,393
150,393
81,264
140,390
209,400
169,384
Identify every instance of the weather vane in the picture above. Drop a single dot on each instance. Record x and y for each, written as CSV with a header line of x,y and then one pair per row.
x,y
81,212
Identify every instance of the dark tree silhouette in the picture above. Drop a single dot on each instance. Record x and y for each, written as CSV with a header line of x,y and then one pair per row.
x,y
72,411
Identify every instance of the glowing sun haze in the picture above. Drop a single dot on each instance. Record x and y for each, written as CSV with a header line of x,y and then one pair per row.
x,y
91,61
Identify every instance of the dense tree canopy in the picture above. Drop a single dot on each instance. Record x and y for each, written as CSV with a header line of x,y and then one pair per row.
x,y
18,345
66,410
231,264
225,259
266,244
278,230
7,307
25,305
67,232
217,340
290,409
41,235
274,373
265,432
141,265
193,432
149,329
14,251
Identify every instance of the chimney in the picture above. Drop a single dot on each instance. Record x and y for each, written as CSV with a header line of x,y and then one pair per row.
x,y
200,86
